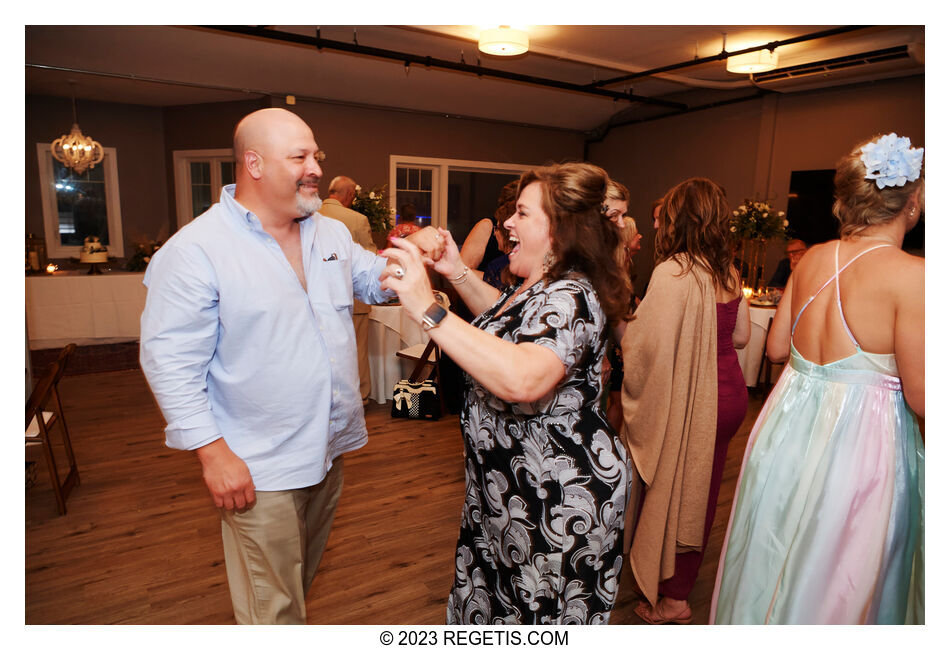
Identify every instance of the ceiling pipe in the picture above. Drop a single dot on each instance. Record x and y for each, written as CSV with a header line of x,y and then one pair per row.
x,y
405,57
725,55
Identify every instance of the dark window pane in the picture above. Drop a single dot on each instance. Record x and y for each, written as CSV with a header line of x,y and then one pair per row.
x,y
472,196
402,178
422,201
200,173
200,199
227,173
425,181
80,204
413,179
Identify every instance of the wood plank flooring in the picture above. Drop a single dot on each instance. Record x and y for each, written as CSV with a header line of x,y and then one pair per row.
x,y
140,543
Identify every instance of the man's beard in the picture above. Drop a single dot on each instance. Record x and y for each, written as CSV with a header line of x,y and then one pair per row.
x,y
307,206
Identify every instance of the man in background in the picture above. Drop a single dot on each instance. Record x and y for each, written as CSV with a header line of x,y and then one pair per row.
x,y
794,251
340,197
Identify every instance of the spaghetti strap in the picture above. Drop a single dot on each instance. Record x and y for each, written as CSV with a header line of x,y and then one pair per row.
x,y
834,278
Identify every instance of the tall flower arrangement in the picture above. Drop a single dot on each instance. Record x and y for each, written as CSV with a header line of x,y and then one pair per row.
x,y
375,205
754,223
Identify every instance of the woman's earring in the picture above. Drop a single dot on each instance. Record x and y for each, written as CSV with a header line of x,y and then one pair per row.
x,y
548,261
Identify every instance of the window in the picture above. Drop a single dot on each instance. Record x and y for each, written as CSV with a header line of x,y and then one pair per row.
x,y
76,206
199,176
452,194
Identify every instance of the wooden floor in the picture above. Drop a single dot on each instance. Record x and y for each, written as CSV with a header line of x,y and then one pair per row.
x,y
141,543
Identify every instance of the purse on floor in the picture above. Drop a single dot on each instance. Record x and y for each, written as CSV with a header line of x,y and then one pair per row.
x,y
416,398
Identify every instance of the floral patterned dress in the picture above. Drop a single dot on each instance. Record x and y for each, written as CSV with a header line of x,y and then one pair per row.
x,y
545,482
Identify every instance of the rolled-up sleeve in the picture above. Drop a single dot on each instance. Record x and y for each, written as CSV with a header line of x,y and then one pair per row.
x,y
366,268
178,337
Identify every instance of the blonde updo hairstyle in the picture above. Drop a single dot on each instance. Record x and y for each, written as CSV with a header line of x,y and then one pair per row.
x,y
583,240
617,192
858,201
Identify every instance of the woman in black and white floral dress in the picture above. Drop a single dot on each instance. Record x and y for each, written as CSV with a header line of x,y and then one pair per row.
x,y
546,476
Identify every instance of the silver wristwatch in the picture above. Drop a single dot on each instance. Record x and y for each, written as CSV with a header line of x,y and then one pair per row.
x,y
432,317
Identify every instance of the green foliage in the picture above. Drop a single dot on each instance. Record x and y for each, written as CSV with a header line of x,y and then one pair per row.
x,y
375,205
757,220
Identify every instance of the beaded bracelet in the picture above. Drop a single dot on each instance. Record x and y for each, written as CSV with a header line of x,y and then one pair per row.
x,y
462,277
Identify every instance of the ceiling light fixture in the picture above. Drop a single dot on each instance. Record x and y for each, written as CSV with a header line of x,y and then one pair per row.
x,y
752,62
503,41
76,151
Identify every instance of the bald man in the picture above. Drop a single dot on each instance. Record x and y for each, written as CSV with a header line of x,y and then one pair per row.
x,y
340,197
247,343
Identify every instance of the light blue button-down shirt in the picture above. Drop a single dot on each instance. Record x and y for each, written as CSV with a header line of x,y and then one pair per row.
x,y
233,346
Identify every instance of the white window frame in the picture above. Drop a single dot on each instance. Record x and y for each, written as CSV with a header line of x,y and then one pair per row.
x,y
181,163
440,178
51,213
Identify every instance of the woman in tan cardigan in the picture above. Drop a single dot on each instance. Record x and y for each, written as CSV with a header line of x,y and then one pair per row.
x,y
683,395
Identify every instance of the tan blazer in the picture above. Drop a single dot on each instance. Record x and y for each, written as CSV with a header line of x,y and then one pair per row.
x,y
669,397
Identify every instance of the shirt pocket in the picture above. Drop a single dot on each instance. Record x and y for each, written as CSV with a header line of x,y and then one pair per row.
x,y
337,280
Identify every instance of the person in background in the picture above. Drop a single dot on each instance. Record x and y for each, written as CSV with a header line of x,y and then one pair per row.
x,y
827,524
615,209
683,395
794,250
340,197
485,248
247,344
405,222
630,243
545,475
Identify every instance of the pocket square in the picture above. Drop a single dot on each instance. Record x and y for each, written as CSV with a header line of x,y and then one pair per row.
x,y
331,258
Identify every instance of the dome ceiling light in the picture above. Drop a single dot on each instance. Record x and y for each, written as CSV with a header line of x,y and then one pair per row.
x,y
503,41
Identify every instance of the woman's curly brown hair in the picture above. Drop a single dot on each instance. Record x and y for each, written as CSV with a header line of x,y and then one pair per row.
x,y
583,240
694,224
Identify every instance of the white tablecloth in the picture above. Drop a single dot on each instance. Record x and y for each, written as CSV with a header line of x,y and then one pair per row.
x,y
390,330
750,357
83,309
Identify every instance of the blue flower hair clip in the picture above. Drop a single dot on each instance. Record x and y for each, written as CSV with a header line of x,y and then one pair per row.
x,y
891,161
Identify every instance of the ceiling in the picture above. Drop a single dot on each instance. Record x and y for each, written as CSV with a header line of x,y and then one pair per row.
x,y
559,76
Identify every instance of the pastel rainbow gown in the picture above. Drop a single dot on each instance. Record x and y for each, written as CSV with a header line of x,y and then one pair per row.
x,y
827,523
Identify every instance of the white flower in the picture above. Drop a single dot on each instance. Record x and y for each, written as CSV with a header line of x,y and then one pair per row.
x,y
735,213
785,223
742,208
372,195
732,228
358,189
781,214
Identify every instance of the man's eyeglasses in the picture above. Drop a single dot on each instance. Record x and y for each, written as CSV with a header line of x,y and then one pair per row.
x,y
321,155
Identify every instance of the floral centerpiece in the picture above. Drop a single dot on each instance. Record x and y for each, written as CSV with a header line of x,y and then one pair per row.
x,y
142,256
375,205
754,223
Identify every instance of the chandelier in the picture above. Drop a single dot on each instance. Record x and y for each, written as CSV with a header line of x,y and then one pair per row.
x,y
76,151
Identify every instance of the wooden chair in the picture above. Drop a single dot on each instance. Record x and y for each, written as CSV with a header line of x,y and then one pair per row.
x,y
764,385
44,410
426,355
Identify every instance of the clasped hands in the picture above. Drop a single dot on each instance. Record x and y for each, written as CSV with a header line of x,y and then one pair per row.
x,y
408,258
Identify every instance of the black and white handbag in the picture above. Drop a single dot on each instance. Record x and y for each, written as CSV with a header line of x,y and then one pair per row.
x,y
416,398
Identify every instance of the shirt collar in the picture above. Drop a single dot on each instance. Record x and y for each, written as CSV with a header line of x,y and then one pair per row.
x,y
245,216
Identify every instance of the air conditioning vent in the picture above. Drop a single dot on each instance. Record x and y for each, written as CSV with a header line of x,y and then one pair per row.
x,y
854,68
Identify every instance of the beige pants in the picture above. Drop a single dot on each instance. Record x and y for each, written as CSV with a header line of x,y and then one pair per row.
x,y
272,551
361,325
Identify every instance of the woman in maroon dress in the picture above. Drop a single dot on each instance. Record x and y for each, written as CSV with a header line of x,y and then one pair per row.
x,y
684,396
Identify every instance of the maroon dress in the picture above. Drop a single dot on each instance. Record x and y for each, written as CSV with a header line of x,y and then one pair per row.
x,y
732,403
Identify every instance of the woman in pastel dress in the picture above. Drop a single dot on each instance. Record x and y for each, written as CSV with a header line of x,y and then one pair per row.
x,y
827,521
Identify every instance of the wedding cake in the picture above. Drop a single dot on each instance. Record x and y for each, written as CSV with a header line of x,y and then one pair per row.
x,y
93,251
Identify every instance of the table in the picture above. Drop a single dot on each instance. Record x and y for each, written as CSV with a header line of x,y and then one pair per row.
x,y
390,330
72,307
750,357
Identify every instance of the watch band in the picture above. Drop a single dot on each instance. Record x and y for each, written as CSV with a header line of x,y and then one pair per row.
x,y
432,317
